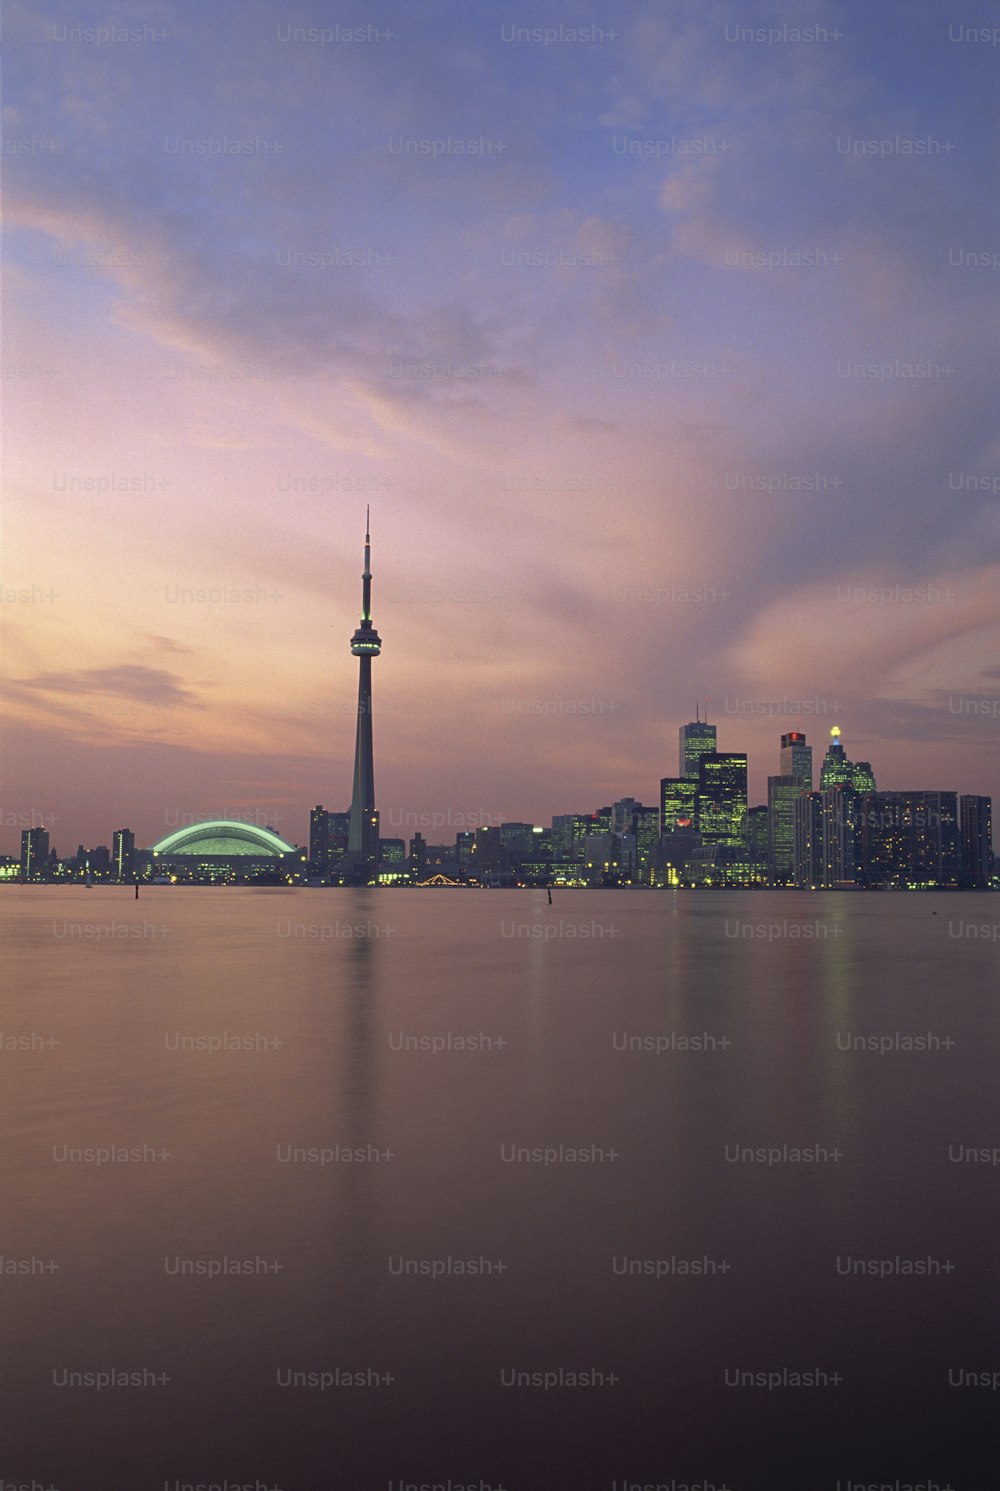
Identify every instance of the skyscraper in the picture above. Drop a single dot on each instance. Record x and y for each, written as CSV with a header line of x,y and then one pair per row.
x,y
839,770
909,839
782,792
797,758
696,739
123,854
678,803
34,853
328,835
647,832
840,813
808,863
361,862
977,847
318,829
722,798
757,835
836,768
827,837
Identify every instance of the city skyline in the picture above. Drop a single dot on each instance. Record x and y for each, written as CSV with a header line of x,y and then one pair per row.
x,y
677,386
403,822
838,830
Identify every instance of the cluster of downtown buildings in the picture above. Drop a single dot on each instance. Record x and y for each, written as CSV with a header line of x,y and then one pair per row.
x,y
845,834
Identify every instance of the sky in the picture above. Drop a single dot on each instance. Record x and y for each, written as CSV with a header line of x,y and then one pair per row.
x,y
661,339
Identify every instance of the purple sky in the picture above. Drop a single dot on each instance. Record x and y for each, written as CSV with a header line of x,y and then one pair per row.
x,y
665,355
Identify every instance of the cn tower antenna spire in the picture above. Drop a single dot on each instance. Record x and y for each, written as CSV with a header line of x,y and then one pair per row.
x,y
366,574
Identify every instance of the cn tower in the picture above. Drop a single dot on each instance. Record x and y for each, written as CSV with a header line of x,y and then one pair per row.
x,y
362,843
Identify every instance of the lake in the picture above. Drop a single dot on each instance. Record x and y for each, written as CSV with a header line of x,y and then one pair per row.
x,y
372,1189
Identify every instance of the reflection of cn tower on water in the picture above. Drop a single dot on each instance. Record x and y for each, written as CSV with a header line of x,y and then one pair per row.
x,y
362,842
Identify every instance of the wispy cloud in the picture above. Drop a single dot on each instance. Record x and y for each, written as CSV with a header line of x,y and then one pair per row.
x,y
154,686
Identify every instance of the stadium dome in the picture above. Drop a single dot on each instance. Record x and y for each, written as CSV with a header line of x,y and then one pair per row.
x,y
224,837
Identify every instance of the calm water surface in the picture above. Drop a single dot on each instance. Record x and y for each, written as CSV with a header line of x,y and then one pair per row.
x,y
338,1175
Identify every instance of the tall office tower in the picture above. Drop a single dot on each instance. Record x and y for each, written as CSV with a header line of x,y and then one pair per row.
x,y
948,838
319,820
827,838
361,862
839,819
975,814
696,739
808,868
757,835
839,770
782,794
328,836
797,758
647,832
910,840
881,837
678,803
722,798
836,770
34,853
123,854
